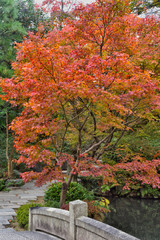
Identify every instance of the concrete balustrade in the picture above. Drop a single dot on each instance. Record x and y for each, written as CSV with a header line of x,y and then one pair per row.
x,y
73,224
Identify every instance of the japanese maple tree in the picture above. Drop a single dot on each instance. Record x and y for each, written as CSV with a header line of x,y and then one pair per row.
x,y
81,88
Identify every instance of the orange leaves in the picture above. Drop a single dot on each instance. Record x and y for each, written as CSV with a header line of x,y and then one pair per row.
x,y
80,85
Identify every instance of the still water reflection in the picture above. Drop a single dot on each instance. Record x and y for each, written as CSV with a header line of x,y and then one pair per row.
x,y
138,217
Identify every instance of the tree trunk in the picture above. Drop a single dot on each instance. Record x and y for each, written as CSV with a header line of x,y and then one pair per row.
x,y
9,160
63,194
65,186
75,177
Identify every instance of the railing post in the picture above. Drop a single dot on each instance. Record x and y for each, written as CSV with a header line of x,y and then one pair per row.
x,y
77,209
30,220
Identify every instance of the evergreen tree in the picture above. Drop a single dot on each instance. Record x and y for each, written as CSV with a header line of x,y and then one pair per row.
x,y
11,31
16,18
145,6
28,15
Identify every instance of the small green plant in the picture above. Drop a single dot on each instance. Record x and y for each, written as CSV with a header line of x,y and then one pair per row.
x,y
148,191
2,184
23,214
75,191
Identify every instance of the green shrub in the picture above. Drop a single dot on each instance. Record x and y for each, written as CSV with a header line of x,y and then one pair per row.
x,y
53,204
53,192
149,192
3,186
23,214
75,191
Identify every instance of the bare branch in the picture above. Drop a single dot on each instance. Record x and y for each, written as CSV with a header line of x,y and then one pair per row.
x,y
99,143
63,138
84,122
111,147
92,115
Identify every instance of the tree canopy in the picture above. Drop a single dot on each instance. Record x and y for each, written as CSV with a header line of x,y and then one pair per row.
x,y
82,87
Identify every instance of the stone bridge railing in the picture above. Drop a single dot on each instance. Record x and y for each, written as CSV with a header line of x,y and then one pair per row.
x,y
73,224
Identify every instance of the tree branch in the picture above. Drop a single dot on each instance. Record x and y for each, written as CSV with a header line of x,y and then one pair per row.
x,y
99,143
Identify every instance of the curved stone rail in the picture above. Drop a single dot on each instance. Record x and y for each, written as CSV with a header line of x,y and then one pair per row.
x,y
49,220
73,224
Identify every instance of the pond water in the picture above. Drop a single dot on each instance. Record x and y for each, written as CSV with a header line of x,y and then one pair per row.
x,y
138,217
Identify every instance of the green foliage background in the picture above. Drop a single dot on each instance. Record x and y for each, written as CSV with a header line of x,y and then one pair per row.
x,y
17,17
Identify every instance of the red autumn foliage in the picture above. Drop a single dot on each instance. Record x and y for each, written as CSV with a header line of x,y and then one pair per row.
x,y
82,85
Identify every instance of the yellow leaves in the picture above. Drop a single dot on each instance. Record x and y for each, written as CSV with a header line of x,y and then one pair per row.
x,y
104,202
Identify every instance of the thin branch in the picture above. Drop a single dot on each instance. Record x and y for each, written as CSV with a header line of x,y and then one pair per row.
x,y
107,142
64,111
54,144
76,117
92,115
79,114
99,143
63,138
131,121
135,107
85,120
44,66
113,146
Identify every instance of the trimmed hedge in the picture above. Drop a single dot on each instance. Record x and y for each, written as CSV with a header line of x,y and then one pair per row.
x,y
23,214
75,191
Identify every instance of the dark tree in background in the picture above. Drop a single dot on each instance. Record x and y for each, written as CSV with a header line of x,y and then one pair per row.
x,y
28,15
145,6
